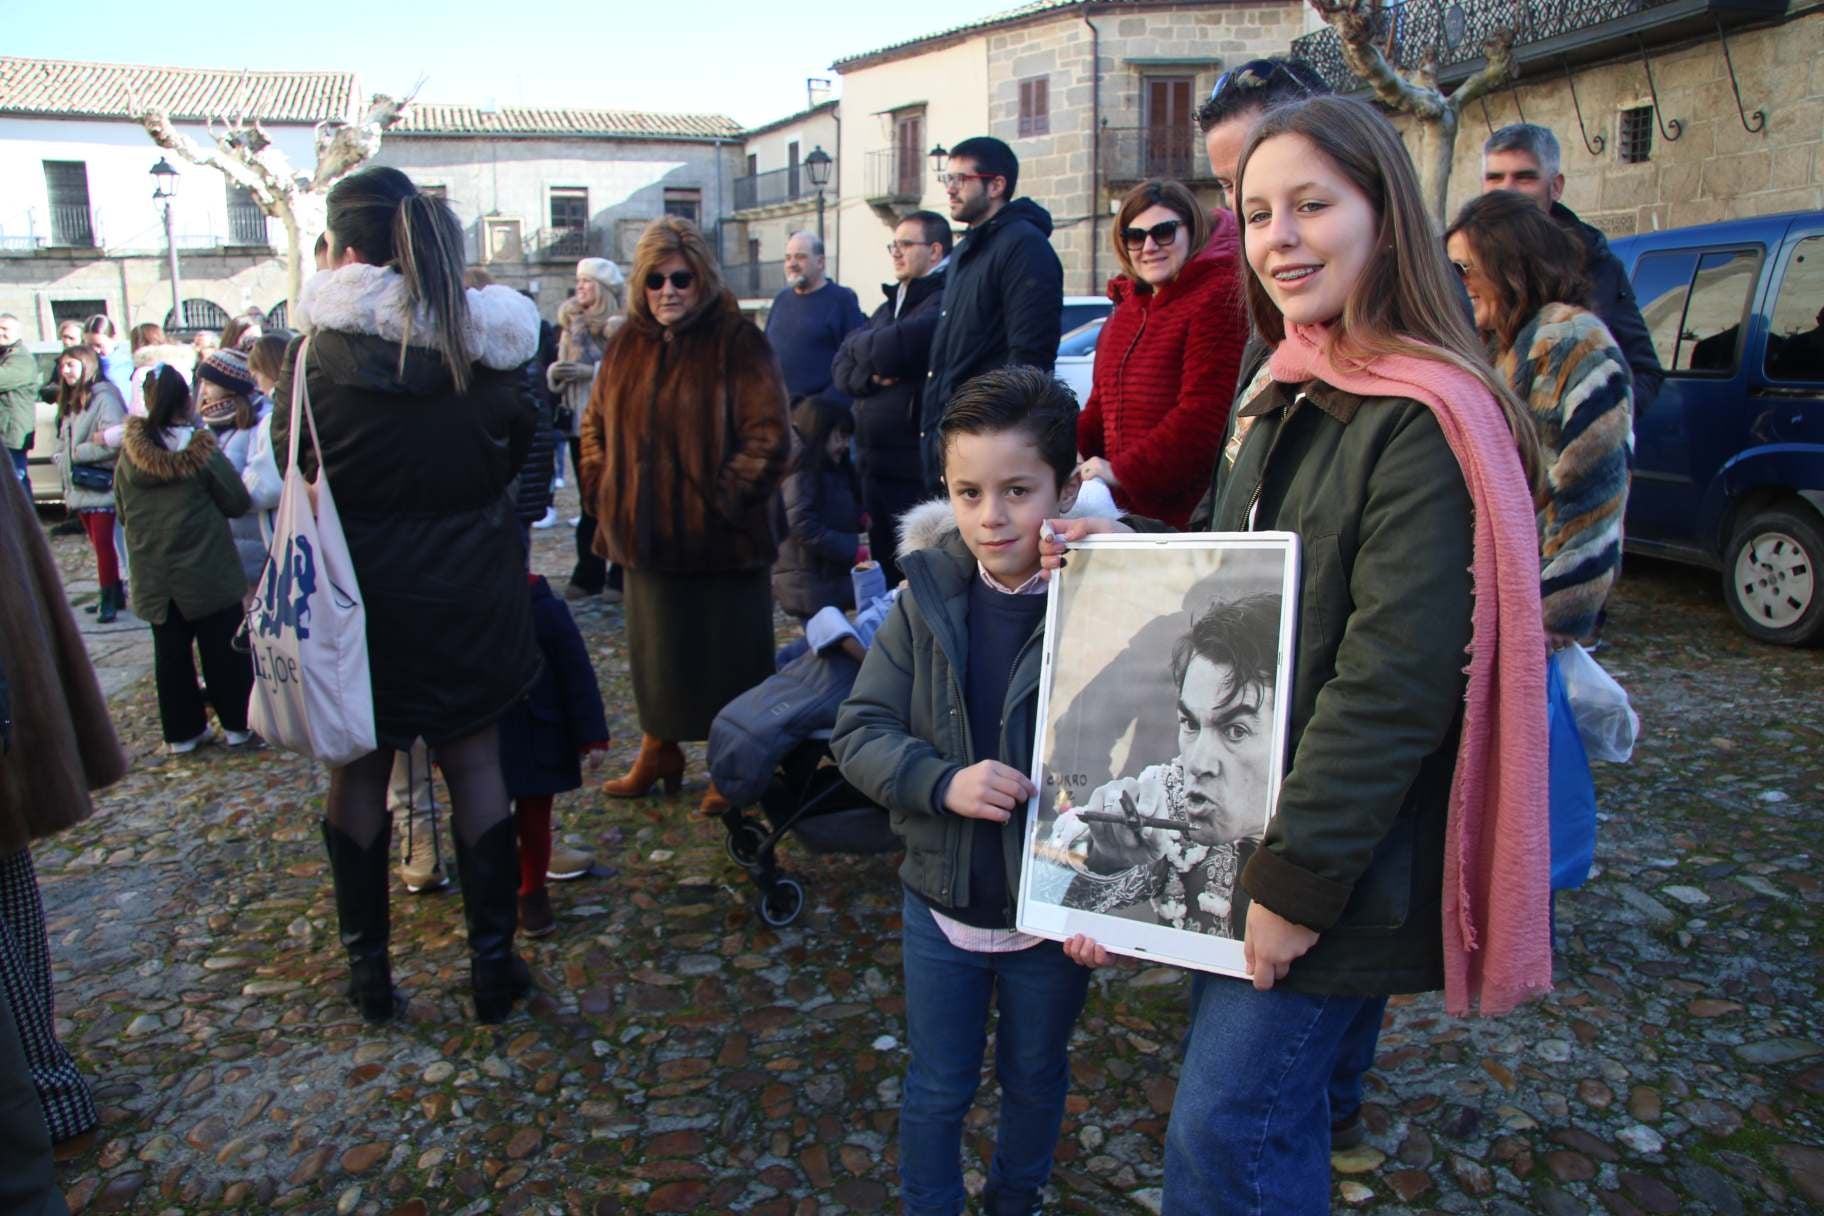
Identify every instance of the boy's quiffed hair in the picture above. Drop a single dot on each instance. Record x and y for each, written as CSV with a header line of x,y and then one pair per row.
x,y
1017,399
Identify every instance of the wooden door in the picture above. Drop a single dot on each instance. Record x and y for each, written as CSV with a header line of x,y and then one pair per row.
x,y
1168,127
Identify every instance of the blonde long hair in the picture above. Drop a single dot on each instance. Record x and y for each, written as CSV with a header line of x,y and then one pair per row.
x,y
1406,301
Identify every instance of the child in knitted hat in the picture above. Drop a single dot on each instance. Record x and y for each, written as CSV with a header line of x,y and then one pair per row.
x,y
226,394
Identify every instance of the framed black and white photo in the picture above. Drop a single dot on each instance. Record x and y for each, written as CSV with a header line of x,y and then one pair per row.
x,y
1163,707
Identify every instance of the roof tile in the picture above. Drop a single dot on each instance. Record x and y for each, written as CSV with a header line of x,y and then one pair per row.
x,y
59,88
437,118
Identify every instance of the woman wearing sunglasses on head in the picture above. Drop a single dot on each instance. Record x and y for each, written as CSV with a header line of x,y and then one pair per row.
x,y
1525,277
683,447
1167,356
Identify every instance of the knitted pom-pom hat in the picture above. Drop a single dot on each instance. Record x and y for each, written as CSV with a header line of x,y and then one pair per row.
x,y
228,368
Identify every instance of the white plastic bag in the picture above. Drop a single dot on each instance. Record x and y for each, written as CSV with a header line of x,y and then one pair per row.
x,y
1606,721
312,692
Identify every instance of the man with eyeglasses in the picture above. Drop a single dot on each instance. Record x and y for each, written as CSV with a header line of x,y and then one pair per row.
x,y
883,368
1004,298
809,320
1524,157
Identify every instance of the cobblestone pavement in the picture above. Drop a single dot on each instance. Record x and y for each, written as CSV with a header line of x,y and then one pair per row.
x,y
680,1057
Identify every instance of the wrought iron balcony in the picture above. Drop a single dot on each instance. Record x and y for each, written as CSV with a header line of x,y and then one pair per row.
x,y
775,187
71,224
247,225
563,244
1134,154
895,178
1546,32
755,280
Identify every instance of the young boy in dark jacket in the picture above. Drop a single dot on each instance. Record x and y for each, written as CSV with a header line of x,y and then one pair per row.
x,y
939,730
542,742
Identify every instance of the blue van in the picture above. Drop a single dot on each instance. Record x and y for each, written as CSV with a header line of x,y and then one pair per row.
x,y
1729,461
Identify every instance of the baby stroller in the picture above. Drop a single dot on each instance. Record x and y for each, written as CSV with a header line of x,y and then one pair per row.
x,y
769,749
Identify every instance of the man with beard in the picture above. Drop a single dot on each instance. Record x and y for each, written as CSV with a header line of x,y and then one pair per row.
x,y
1004,295
1177,835
809,320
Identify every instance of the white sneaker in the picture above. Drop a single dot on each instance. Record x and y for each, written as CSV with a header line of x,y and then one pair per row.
x,y
575,520
548,520
557,483
188,745
238,738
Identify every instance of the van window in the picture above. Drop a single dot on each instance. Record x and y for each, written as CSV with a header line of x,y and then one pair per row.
x,y
1711,335
1795,337
1662,281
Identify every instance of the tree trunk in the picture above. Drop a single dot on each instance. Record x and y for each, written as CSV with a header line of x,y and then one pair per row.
x,y
1437,153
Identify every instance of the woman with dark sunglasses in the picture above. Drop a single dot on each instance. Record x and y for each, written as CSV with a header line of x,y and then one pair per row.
x,y
1167,356
684,444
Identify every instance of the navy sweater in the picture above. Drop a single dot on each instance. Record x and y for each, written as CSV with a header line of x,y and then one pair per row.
x,y
806,332
999,627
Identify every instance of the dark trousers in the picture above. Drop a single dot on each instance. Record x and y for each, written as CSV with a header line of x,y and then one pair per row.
x,y
19,462
227,673
591,573
885,499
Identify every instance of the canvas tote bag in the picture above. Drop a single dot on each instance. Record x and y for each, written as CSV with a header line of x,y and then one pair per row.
x,y
312,693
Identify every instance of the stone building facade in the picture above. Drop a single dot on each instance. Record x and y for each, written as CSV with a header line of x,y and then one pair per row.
x,y
775,196
1716,169
1093,98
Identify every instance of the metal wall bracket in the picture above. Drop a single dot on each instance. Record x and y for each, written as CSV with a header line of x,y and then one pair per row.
x,y
1593,143
1483,102
1760,119
1669,128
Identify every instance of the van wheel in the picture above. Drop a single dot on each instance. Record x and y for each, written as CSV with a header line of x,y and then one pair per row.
x,y
1770,577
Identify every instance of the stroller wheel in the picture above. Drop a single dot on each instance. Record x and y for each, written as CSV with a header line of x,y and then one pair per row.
x,y
744,842
780,903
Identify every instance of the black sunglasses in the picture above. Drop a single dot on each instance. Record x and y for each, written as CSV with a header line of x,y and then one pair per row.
x,y
1163,234
680,279
1253,74
1462,268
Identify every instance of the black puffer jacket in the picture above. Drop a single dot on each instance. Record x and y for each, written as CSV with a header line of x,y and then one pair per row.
x,y
1612,299
532,488
420,475
1003,305
896,348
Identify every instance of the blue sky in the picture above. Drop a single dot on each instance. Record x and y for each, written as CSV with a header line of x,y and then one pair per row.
x,y
746,58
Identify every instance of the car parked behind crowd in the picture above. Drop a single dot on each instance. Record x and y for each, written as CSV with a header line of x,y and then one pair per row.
x,y
1729,461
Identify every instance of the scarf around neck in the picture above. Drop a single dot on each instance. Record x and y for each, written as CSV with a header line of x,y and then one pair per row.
x,y
1497,844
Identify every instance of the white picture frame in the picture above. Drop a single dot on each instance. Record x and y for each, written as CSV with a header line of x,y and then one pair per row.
x,y
1154,690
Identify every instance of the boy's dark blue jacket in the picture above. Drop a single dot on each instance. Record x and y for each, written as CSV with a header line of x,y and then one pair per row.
x,y
541,737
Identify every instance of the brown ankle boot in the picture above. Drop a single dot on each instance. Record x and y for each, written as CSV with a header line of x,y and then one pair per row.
x,y
658,761
714,805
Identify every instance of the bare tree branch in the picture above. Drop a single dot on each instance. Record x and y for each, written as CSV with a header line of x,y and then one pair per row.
x,y
1355,36
1499,65
166,136
341,146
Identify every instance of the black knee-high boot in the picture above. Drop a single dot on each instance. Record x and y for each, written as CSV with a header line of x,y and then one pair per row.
x,y
361,910
489,870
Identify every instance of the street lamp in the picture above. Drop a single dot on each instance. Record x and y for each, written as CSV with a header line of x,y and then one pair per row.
x,y
164,190
818,164
938,155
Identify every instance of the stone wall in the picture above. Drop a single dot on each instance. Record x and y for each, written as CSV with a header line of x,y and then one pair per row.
x,y
133,287
1058,169
1715,170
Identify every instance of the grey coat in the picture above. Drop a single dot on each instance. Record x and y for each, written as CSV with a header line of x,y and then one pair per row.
x,y
80,443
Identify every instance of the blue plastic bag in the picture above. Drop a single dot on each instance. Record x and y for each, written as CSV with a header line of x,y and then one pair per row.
x,y
1573,792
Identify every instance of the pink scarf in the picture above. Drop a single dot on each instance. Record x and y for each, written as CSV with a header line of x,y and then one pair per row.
x,y
1497,846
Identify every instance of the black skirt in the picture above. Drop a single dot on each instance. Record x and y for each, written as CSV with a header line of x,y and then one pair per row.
x,y
694,643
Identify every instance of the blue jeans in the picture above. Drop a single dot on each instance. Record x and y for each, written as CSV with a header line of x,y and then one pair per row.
x,y
1354,1057
1039,993
1250,1127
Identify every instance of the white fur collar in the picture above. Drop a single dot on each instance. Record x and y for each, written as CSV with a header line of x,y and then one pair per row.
x,y
926,525
363,299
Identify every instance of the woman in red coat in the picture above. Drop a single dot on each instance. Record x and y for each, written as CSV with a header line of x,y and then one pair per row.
x,y
1167,357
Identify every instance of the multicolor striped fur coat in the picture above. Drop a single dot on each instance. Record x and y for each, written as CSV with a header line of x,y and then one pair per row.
x,y
1567,368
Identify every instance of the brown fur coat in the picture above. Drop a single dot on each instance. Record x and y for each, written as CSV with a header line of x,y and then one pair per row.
x,y
684,443
63,742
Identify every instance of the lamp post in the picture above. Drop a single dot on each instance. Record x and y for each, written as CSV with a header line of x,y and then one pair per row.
x,y
818,165
164,190
938,155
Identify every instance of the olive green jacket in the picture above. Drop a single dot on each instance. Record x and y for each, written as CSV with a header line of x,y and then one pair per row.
x,y
905,730
18,396
174,507
1355,848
